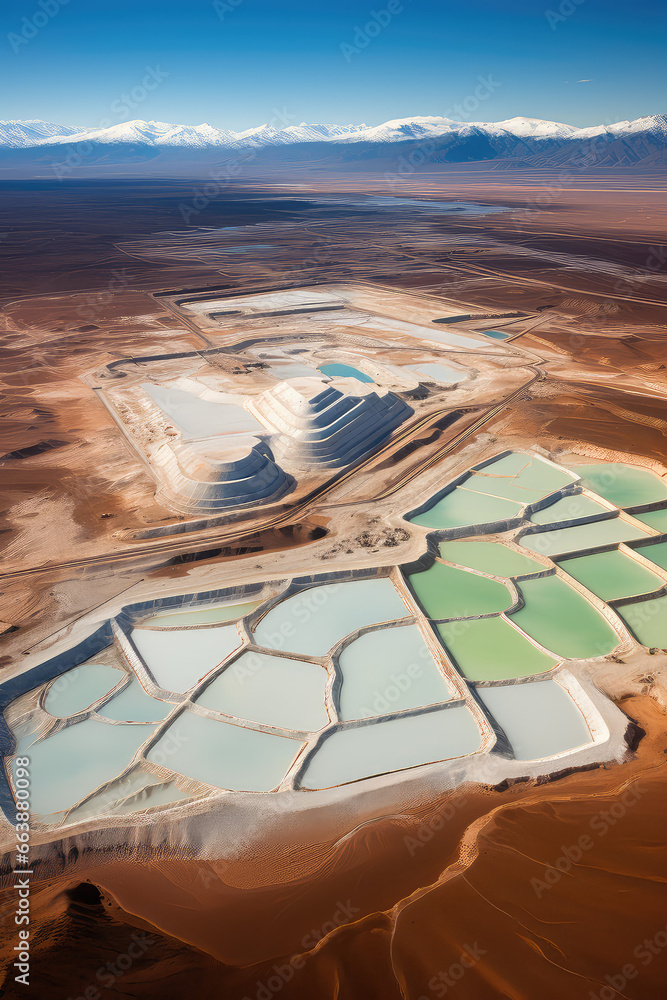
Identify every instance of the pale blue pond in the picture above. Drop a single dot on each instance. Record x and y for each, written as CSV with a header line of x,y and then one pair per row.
x,y
581,536
313,621
210,614
360,752
389,671
178,659
540,719
225,755
78,689
73,763
133,704
271,690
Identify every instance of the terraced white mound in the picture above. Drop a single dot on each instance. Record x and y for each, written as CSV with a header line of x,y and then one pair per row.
x,y
317,424
219,473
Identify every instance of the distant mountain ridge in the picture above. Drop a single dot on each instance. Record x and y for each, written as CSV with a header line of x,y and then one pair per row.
x,y
135,148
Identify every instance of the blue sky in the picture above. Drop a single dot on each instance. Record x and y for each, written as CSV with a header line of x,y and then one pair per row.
x,y
239,63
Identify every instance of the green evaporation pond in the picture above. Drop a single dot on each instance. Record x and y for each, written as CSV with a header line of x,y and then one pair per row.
x,y
624,485
211,615
132,704
74,762
225,755
389,671
539,719
363,751
519,477
461,508
612,575
344,371
562,620
648,621
569,509
270,690
657,553
447,592
581,536
77,689
489,557
655,519
490,649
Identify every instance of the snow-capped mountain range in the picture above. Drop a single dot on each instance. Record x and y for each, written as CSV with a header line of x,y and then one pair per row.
x,y
25,145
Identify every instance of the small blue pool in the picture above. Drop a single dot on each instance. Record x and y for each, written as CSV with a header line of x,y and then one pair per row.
x,y
344,371
495,334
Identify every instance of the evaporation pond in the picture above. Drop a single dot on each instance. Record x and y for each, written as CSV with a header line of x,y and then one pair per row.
x,y
623,485
133,704
178,658
581,536
612,575
518,476
490,557
225,755
387,671
271,690
569,508
200,418
657,553
379,748
448,592
496,334
490,649
77,689
562,620
74,762
212,614
344,371
460,508
648,621
540,719
314,620
655,519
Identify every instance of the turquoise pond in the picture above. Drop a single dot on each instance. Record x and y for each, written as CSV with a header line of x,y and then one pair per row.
x,y
570,508
344,371
495,334
448,592
613,575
